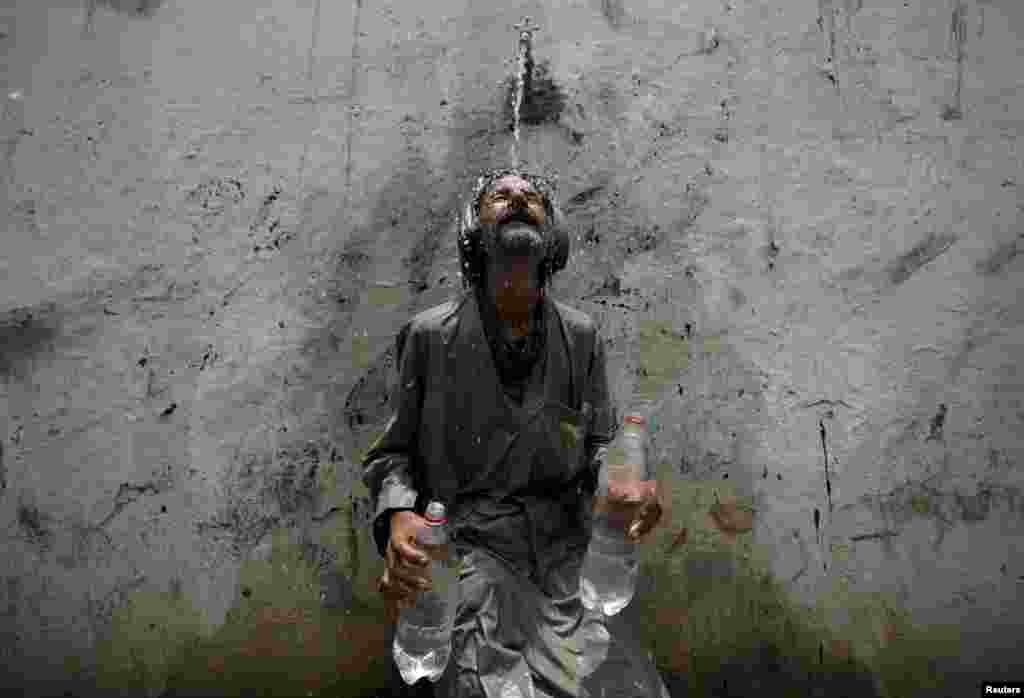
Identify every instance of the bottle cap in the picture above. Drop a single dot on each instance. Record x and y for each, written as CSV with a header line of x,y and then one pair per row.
x,y
436,513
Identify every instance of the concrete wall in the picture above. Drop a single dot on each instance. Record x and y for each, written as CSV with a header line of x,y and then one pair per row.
x,y
216,215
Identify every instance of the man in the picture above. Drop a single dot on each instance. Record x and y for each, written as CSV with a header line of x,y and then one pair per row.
x,y
503,412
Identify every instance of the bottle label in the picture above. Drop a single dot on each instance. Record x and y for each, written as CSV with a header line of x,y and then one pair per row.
x,y
620,464
618,501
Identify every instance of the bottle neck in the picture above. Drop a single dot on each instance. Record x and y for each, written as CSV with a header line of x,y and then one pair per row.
x,y
639,407
433,534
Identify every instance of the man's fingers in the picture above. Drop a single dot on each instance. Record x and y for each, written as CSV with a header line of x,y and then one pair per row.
x,y
404,590
392,555
411,556
402,558
643,515
646,519
394,589
417,578
656,512
400,581
639,529
409,574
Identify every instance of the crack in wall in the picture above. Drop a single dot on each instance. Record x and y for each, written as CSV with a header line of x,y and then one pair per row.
x,y
824,448
876,535
127,493
84,535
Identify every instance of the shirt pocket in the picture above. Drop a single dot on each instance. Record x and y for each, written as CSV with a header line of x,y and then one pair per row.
x,y
566,431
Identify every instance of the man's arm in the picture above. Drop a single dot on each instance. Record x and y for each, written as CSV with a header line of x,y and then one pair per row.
x,y
604,422
388,465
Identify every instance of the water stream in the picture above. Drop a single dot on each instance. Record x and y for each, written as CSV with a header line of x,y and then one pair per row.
x,y
524,72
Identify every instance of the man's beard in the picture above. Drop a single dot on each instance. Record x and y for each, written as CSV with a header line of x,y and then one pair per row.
x,y
514,352
509,236
515,240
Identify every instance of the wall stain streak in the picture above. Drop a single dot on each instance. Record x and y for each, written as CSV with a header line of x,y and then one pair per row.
x,y
935,434
33,523
920,499
907,264
25,332
999,259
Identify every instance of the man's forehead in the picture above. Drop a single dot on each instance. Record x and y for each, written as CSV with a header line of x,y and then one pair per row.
x,y
512,183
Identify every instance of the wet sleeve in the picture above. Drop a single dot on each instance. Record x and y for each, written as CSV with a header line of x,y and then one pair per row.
x,y
604,421
388,465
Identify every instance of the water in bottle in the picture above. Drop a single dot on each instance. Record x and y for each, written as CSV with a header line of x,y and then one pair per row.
x,y
594,643
422,645
611,565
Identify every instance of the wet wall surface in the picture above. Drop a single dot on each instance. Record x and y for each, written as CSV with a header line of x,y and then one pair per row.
x,y
797,226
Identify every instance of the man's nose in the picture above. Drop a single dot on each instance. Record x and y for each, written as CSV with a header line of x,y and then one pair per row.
x,y
518,200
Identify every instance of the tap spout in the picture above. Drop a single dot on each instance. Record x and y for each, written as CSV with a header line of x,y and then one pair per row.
x,y
524,53
526,29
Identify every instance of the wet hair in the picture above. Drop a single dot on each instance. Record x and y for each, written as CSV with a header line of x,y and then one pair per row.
x,y
477,241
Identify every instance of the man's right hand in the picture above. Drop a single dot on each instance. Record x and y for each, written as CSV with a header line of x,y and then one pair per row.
x,y
407,564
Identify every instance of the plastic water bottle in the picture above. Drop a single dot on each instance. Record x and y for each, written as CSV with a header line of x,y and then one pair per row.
x,y
422,645
609,571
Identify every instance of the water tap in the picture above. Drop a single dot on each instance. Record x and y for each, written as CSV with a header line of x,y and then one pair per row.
x,y
526,29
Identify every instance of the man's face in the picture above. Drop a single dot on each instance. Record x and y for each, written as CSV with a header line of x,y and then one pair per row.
x,y
512,198
513,281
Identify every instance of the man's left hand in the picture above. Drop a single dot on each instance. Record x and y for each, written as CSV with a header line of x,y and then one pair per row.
x,y
644,501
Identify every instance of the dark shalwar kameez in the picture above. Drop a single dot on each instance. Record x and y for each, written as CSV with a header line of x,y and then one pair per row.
x,y
512,446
